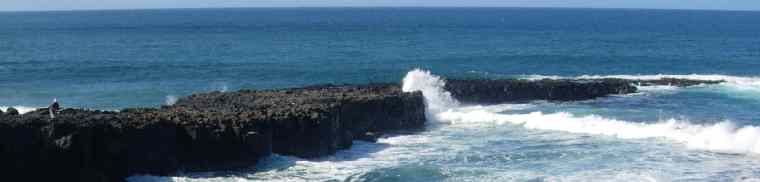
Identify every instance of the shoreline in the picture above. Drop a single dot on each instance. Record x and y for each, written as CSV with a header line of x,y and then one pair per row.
x,y
231,130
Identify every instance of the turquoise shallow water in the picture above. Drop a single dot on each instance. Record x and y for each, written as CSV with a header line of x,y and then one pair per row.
x,y
144,58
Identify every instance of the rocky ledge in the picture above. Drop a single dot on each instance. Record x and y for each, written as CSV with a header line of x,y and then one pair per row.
x,y
212,131
485,91
318,120
80,145
220,131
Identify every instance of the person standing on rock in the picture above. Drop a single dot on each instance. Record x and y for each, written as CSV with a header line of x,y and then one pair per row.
x,y
54,108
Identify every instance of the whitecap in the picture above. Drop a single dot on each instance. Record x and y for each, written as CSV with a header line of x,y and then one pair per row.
x,y
170,100
723,136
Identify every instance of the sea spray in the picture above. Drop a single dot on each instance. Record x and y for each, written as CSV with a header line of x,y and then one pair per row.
x,y
720,137
432,87
170,100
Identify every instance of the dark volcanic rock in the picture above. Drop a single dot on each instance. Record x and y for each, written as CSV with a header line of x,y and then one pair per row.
x,y
219,131
318,120
214,131
83,145
515,90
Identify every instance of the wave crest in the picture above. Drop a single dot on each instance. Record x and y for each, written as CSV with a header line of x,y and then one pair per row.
x,y
720,137
437,99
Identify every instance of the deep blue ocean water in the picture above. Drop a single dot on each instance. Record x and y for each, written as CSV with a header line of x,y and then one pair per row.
x,y
145,58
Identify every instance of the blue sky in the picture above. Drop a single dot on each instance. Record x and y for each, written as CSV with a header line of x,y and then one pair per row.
x,y
24,5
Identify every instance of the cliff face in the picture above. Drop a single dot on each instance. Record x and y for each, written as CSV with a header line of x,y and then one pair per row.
x,y
214,131
108,146
317,121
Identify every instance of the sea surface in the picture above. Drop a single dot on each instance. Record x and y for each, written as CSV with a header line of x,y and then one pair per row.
x,y
146,58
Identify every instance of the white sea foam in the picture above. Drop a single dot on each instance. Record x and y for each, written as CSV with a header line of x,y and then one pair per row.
x,y
345,164
739,82
657,88
170,100
432,87
364,157
720,137
21,109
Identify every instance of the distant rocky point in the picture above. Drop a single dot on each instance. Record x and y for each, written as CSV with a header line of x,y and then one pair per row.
x,y
486,91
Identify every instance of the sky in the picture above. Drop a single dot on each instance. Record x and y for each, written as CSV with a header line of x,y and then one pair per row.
x,y
38,5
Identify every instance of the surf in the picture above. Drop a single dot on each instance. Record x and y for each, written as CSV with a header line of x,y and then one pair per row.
x,y
737,82
722,136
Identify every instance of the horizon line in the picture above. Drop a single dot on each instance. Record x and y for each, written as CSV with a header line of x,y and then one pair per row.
x,y
369,7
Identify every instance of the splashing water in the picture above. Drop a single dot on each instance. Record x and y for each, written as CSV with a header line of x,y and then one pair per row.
x,y
170,100
480,143
720,137
432,87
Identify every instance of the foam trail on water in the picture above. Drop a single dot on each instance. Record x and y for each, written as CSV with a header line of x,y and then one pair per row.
x,y
740,82
657,88
432,87
21,109
720,137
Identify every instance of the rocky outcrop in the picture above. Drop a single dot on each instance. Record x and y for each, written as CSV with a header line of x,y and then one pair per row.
x,y
214,131
516,90
318,120
81,145
219,131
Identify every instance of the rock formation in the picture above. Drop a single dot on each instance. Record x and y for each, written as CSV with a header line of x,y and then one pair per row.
x,y
81,145
318,120
214,131
220,131
515,90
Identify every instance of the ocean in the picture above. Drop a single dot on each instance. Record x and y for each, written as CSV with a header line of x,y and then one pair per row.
x,y
147,58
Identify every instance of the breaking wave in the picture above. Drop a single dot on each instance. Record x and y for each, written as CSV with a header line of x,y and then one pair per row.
x,y
721,137
170,100
432,87
739,82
